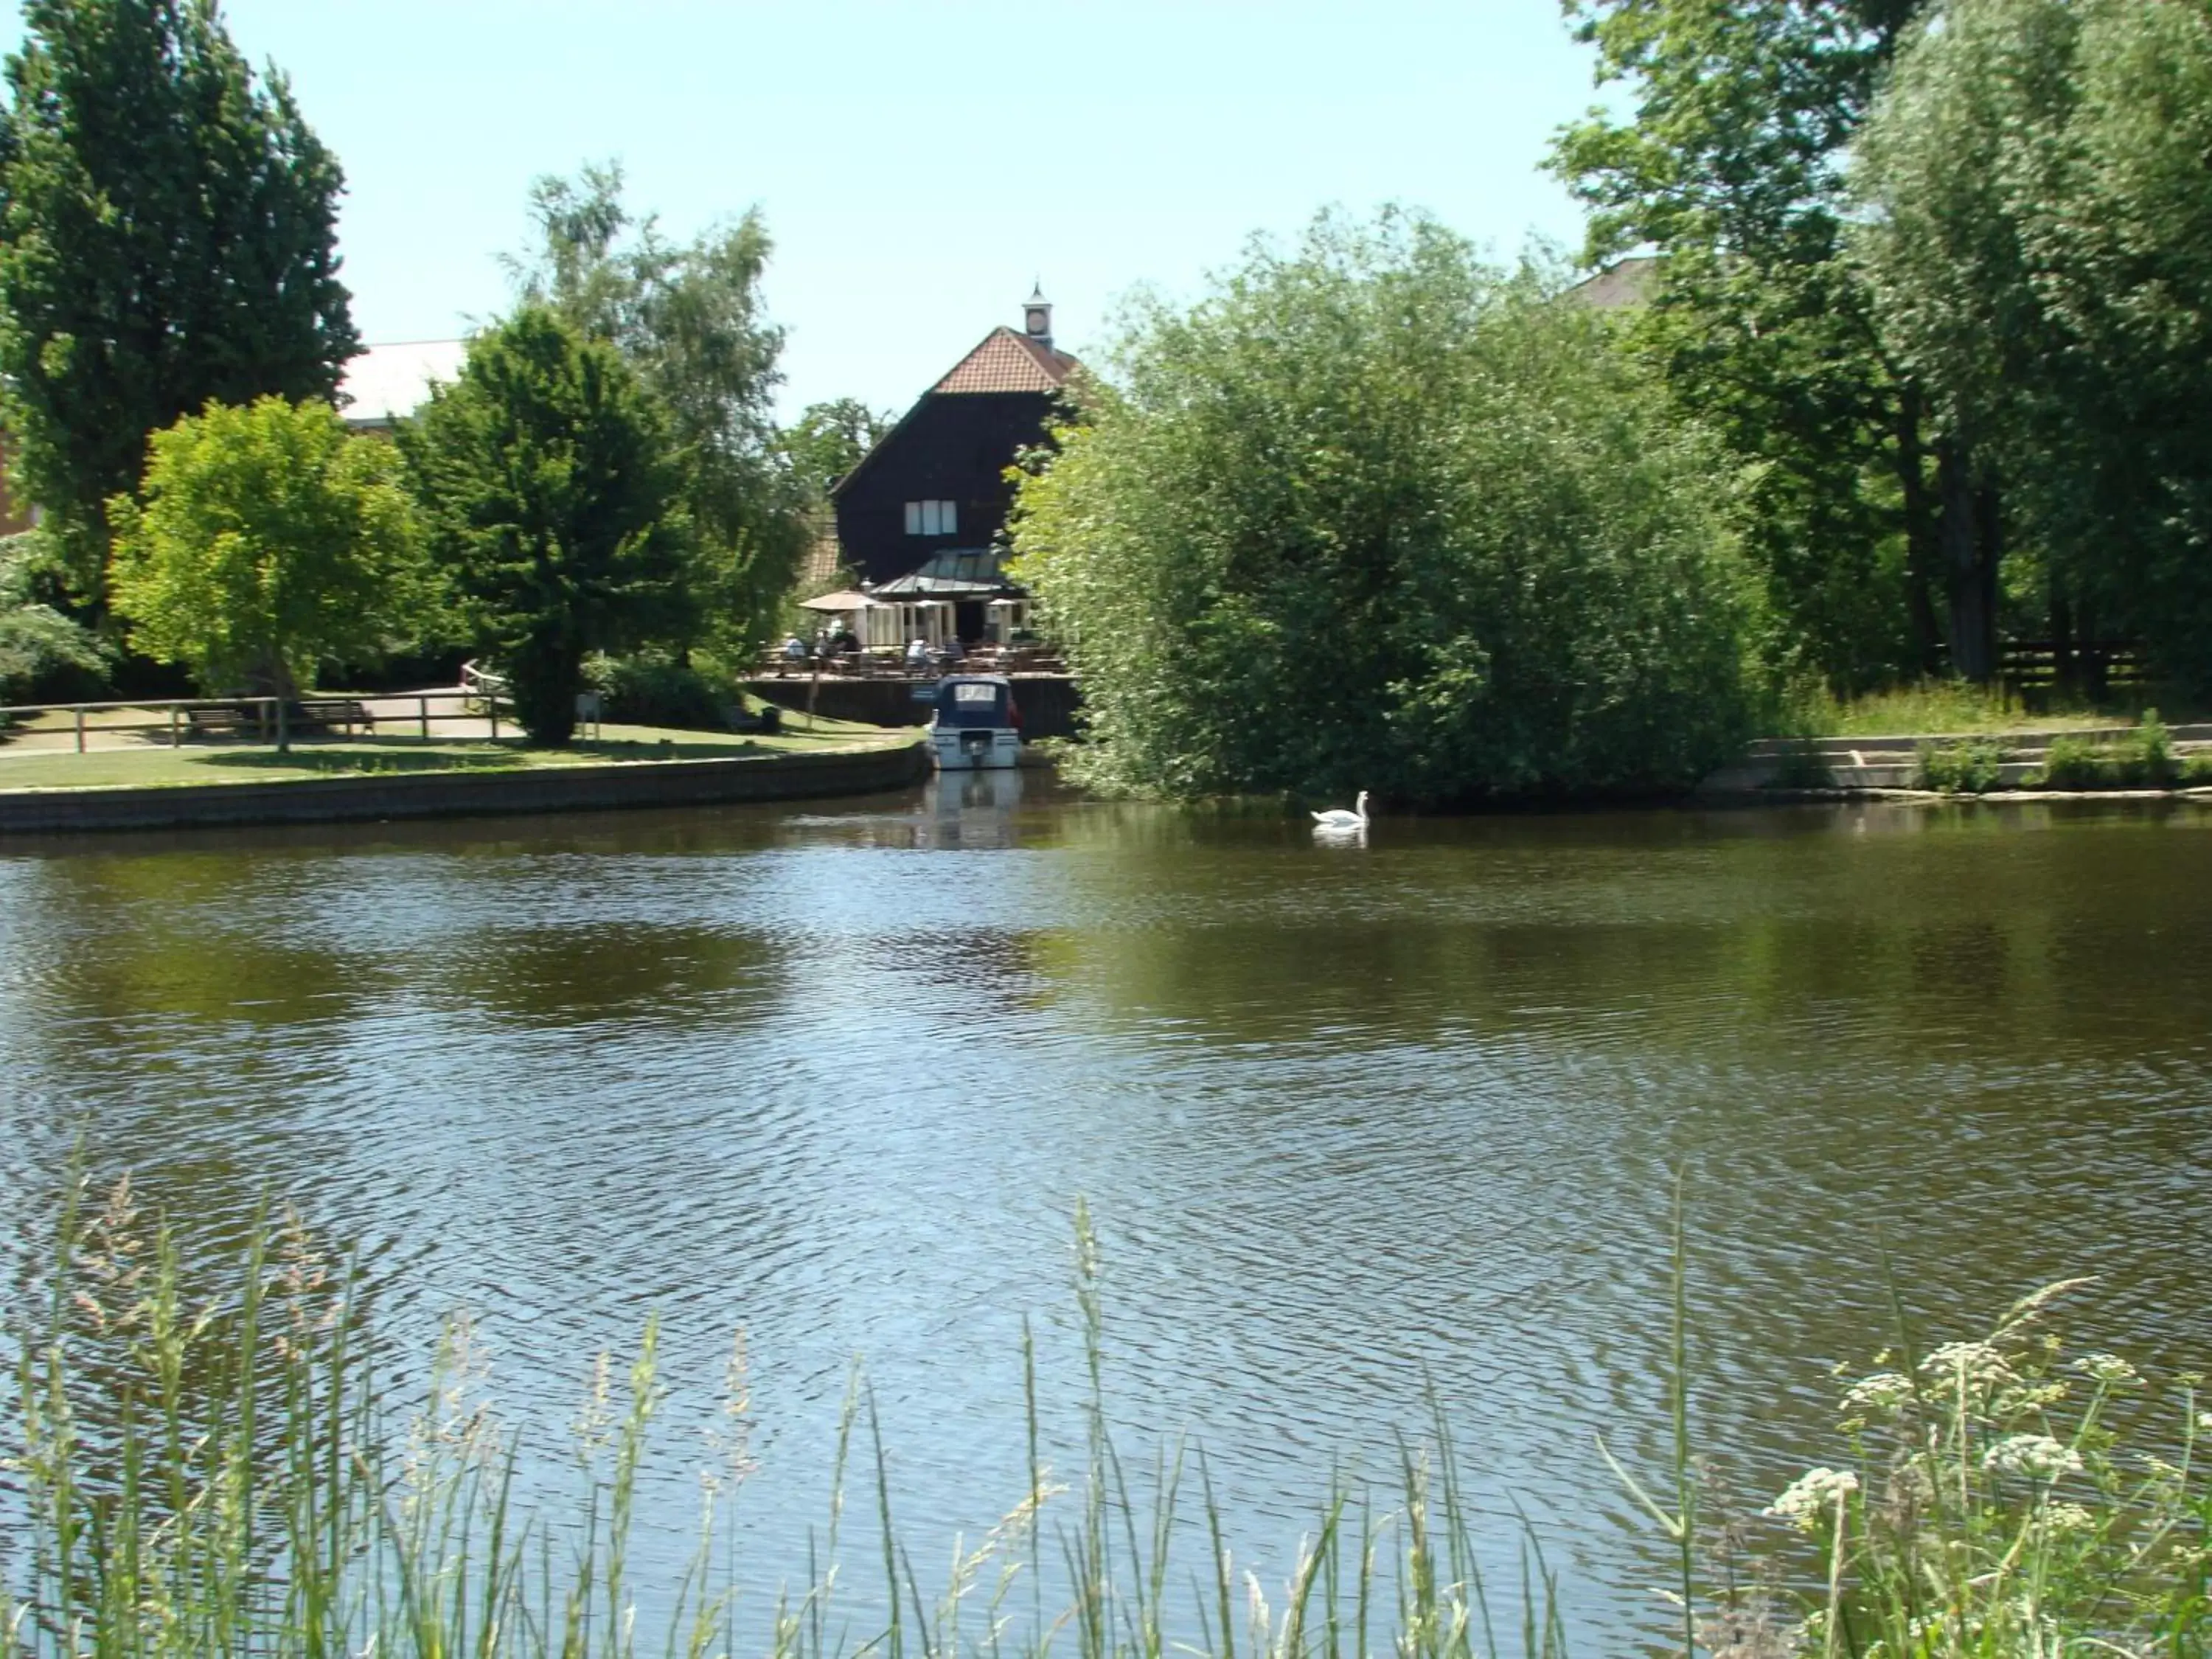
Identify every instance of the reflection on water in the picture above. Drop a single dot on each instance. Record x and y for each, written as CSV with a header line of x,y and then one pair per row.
x,y
1356,1120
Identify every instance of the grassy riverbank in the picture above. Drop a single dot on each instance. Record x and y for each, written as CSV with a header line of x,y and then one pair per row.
x,y
1954,709
151,764
221,1476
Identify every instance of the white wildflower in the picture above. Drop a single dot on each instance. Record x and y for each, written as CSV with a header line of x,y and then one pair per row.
x,y
2036,1455
2028,1397
1808,1498
2107,1367
2068,1518
1884,1391
2204,1422
1975,1362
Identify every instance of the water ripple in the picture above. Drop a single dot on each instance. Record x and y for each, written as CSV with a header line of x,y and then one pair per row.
x,y
1361,1132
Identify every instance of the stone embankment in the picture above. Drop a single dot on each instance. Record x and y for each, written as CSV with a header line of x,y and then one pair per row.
x,y
1884,763
586,789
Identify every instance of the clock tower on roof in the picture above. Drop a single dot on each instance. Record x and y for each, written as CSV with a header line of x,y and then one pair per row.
x,y
1036,317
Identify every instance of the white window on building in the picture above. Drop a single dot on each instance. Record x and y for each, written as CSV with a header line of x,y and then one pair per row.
x,y
932,519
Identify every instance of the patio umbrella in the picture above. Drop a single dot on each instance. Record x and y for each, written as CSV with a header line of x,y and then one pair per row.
x,y
846,598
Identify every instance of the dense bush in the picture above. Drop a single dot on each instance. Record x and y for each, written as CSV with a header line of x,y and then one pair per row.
x,y
2142,759
42,651
1960,769
1375,515
651,688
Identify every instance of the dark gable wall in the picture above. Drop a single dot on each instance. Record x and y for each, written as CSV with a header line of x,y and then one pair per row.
x,y
956,446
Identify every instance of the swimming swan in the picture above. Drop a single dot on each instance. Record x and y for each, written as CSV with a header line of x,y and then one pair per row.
x,y
1337,818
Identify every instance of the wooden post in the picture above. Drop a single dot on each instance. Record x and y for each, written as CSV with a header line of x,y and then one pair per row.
x,y
283,730
80,731
491,707
176,727
422,712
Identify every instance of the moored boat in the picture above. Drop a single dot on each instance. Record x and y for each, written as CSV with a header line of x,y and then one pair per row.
x,y
975,724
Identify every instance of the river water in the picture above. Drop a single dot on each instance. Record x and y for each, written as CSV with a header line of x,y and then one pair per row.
x,y
1355,1122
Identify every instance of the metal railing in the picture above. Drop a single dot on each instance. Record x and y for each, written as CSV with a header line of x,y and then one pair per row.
x,y
483,687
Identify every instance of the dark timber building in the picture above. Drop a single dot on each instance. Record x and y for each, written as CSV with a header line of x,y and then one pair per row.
x,y
920,516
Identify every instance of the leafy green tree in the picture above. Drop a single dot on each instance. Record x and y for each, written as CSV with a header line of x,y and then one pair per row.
x,y
37,641
1372,515
553,494
690,321
1733,167
2039,239
264,540
827,441
167,238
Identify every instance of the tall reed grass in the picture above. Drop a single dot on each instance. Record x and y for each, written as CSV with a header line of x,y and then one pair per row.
x,y
1936,708
222,1475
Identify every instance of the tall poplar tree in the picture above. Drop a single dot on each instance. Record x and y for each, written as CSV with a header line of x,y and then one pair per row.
x,y
167,222
1732,165
690,321
2039,236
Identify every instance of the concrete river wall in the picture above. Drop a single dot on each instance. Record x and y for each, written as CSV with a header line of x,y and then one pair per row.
x,y
463,794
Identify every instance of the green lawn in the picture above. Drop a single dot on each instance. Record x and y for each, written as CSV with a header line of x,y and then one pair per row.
x,y
242,763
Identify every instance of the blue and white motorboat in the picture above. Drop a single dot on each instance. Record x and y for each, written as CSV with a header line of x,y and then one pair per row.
x,y
975,724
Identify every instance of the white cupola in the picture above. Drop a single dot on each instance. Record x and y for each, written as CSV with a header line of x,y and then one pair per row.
x,y
1036,317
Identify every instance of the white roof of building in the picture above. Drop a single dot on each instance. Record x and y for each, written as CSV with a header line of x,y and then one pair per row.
x,y
387,383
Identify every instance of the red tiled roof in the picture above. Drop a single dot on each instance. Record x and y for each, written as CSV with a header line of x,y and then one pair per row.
x,y
1007,362
1624,283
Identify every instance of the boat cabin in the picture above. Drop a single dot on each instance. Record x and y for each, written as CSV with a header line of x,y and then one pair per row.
x,y
975,723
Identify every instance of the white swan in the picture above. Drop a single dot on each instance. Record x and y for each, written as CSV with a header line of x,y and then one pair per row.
x,y
1337,818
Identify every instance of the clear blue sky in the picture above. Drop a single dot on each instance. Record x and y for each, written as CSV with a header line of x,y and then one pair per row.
x,y
918,163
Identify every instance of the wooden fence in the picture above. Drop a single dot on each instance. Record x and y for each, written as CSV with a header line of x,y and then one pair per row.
x,y
176,720
2040,665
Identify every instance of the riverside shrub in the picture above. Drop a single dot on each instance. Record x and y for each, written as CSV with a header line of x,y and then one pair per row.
x,y
1374,514
1961,768
652,688
2142,759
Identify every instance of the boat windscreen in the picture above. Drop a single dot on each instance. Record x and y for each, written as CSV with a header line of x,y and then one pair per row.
x,y
971,703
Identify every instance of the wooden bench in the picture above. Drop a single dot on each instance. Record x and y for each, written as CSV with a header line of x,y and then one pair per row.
x,y
239,720
229,720
320,714
767,721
